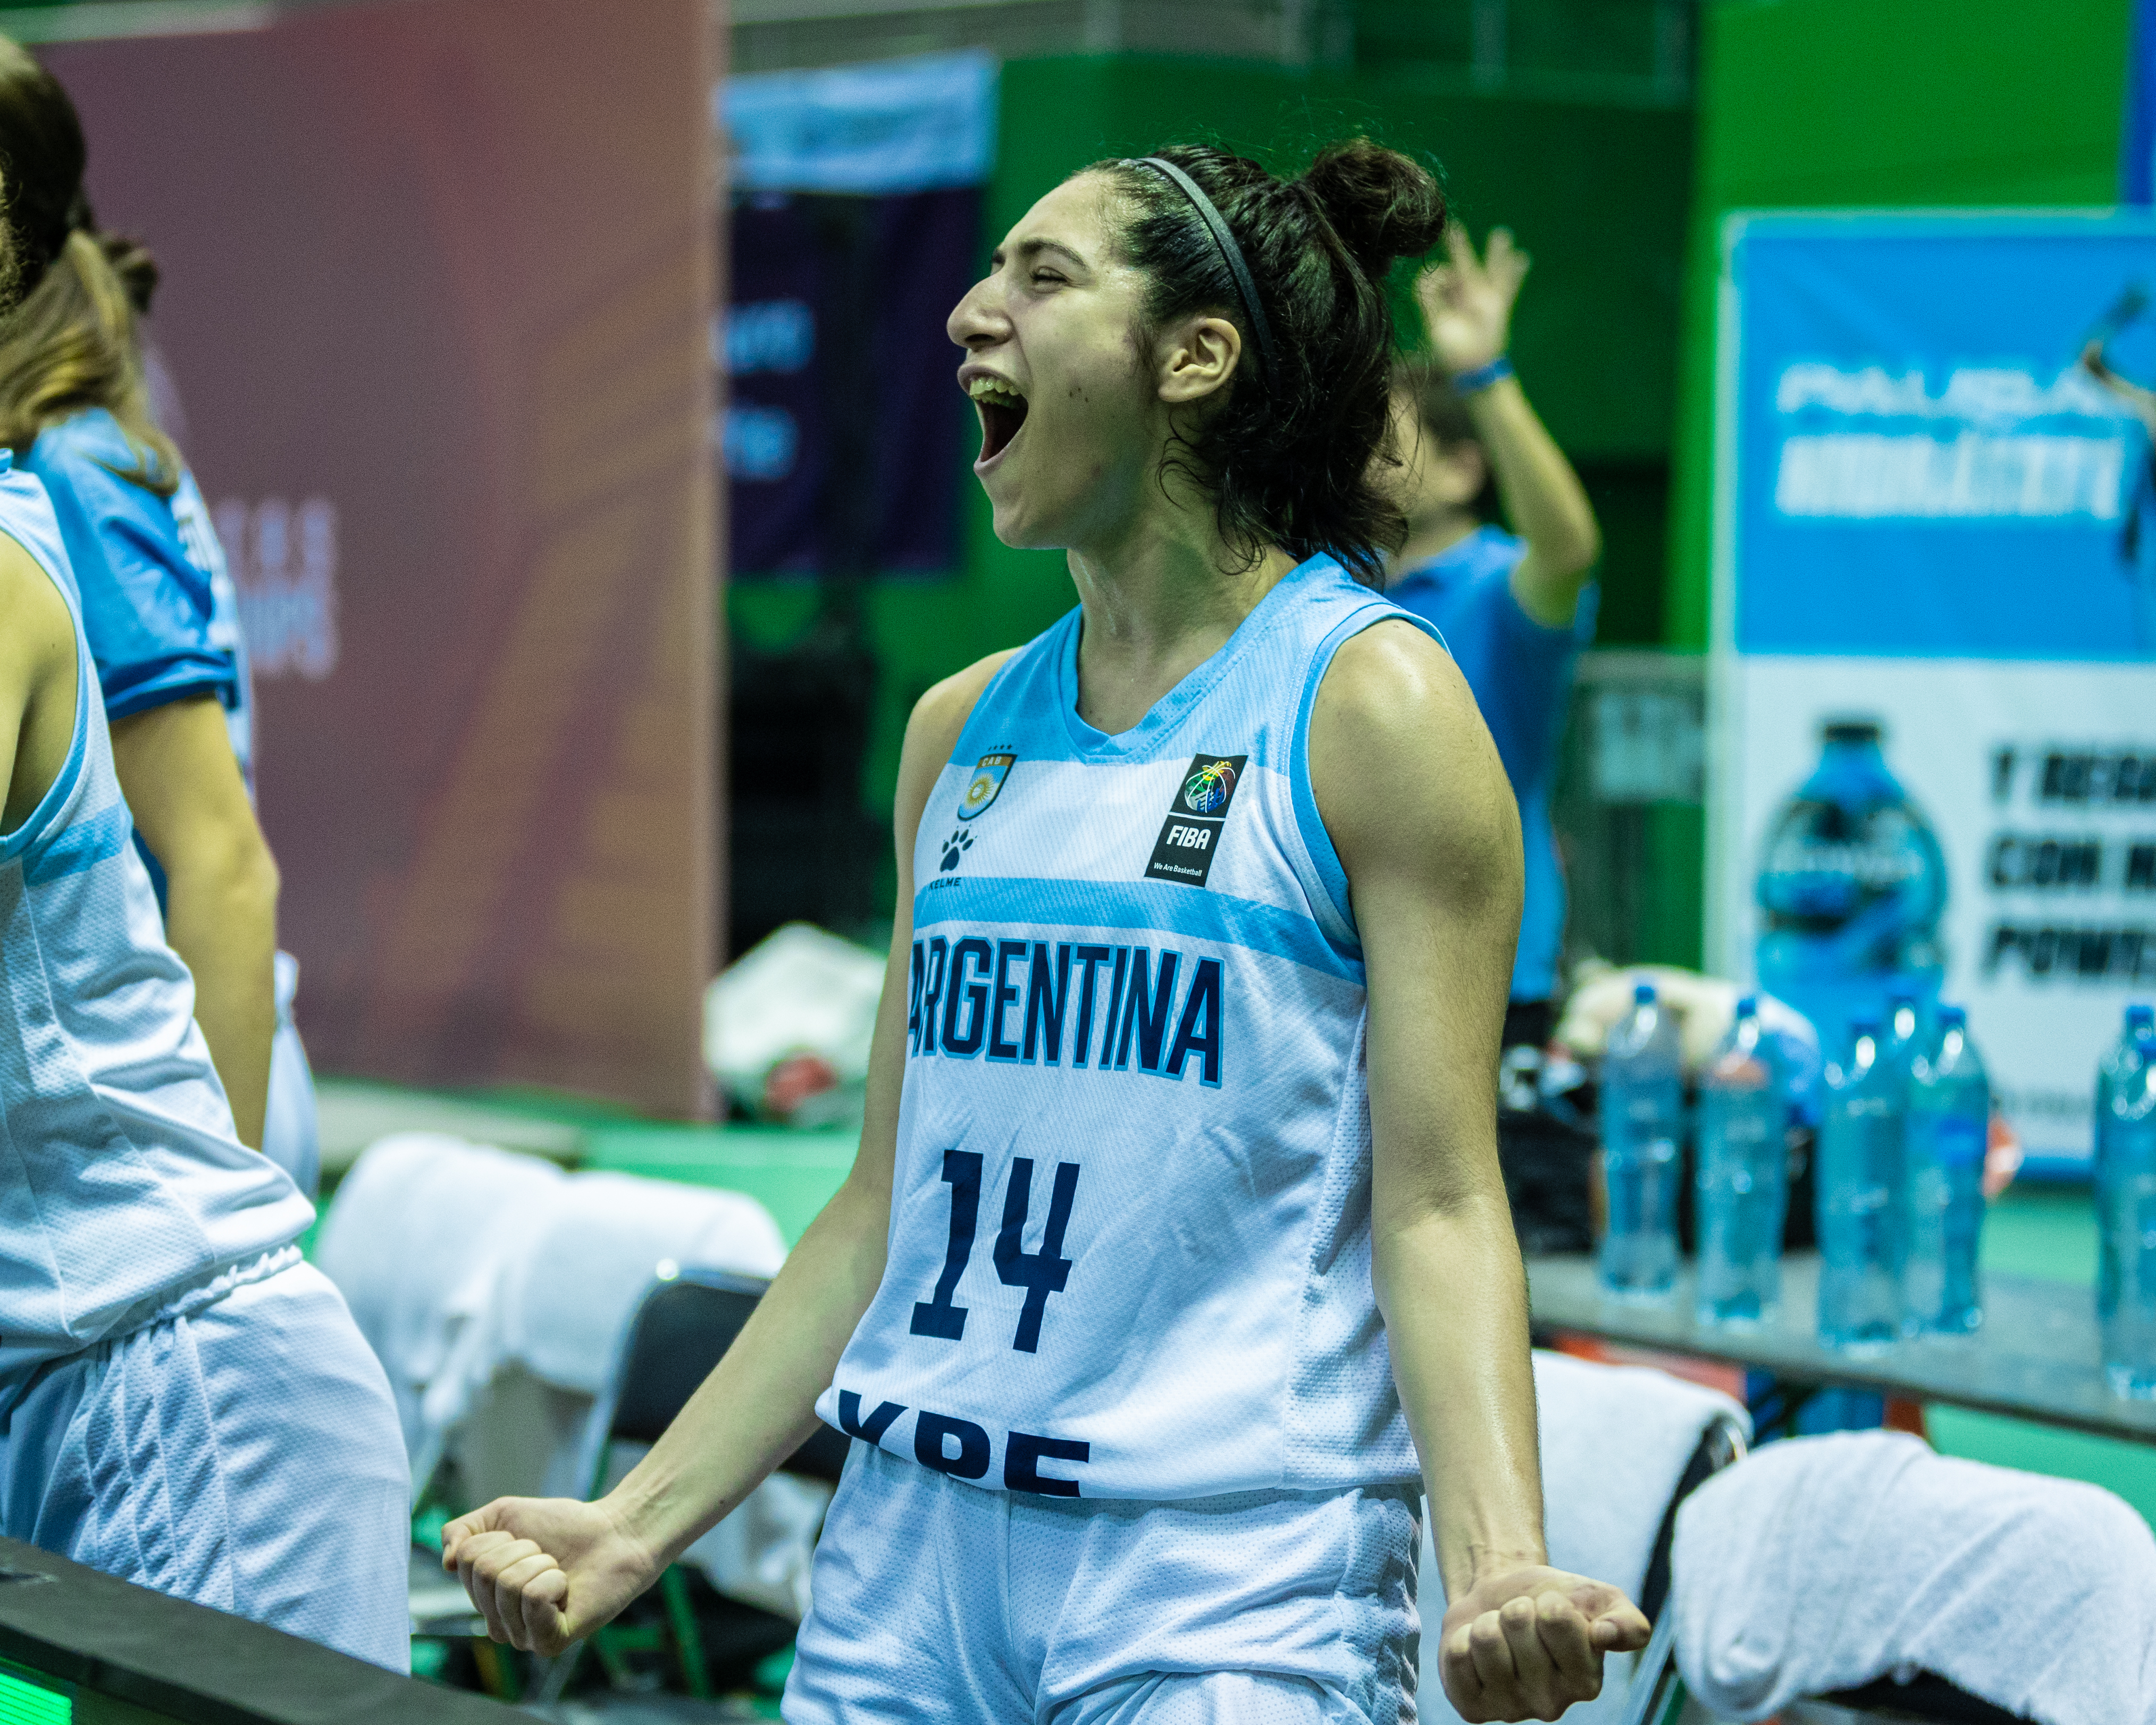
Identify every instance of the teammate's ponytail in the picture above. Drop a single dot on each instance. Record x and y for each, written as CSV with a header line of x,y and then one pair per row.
x,y
1286,457
67,340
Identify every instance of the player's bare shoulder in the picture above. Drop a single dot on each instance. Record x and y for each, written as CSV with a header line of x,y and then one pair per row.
x,y
1399,752
1391,693
941,714
36,632
36,682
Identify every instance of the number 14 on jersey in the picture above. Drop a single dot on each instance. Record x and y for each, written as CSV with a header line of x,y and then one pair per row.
x,y
1040,1274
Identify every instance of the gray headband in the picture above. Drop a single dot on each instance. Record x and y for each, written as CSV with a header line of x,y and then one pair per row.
x,y
1246,289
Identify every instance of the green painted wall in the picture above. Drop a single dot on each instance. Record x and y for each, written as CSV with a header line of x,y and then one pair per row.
x,y
1597,192
1846,104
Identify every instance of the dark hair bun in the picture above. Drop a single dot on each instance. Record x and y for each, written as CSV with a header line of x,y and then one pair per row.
x,y
135,266
1382,205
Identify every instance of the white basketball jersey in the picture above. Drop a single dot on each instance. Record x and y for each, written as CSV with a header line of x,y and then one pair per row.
x,y
122,1187
1129,1230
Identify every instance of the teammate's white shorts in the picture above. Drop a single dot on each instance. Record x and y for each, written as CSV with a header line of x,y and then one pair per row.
x,y
935,1600
245,1456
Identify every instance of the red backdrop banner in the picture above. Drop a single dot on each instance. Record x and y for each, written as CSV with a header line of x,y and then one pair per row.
x,y
435,327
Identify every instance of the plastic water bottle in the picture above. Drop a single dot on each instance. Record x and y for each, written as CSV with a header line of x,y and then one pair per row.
x,y
1851,888
1902,1031
1949,1123
1742,1184
2126,1206
1642,1126
1857,1194
2137,1042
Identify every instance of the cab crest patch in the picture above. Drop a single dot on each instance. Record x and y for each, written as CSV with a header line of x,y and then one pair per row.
x,y
986,784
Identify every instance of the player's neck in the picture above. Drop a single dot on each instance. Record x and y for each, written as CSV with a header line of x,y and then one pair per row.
x,y
1432,534
1157,603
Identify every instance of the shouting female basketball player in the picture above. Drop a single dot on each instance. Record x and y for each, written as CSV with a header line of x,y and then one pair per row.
x,y
1176,1260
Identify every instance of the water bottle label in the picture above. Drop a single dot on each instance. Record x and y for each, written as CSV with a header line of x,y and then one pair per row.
x,y
1958,1142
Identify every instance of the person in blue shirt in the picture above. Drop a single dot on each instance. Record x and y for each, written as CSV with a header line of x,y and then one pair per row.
x,y
1515,608
158,606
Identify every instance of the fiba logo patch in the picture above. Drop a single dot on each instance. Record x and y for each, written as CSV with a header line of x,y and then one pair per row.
x,y
1207,791
1190,838
986,784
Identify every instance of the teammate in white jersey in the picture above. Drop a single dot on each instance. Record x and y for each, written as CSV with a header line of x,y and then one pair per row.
x,y
1175,1262
158,604
184,1402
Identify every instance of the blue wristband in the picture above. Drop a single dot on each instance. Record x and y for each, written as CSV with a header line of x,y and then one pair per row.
x,y
1481,377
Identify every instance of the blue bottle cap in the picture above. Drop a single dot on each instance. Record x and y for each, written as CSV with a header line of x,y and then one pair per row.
x,y
2141,1016
1899,997
1864,1023
1643,993
1748,1006
1953,1017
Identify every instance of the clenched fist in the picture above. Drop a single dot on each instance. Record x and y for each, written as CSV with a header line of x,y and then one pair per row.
x,y
546,1571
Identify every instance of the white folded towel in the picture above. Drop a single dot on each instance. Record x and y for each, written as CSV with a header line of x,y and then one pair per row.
x,y
1823,1564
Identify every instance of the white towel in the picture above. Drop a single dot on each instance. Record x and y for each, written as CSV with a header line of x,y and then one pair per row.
x,y
1823,1564
569,1291
1615,1441
415,1240
458,1259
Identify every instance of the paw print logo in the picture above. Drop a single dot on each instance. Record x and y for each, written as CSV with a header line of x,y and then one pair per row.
x,y
954,850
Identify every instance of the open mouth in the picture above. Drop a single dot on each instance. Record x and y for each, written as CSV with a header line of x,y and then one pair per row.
x,y
1003,413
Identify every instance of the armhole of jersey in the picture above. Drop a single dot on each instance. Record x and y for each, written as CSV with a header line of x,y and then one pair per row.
x,y
1331,879
967,741
46,815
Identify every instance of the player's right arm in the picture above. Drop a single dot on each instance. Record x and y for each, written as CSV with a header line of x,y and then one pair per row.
x,y
545,1572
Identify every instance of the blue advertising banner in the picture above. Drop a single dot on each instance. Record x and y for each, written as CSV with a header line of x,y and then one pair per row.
x,y
2136,141
1935,617
788,379
855,228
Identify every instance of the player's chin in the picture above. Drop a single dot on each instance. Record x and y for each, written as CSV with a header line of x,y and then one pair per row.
x,y
1019,524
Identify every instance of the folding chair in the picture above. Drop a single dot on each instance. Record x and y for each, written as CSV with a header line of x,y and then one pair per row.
x,y
1722,1444
680,1330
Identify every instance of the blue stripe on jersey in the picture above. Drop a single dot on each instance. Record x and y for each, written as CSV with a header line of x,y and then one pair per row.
x,y
1168,906
83,844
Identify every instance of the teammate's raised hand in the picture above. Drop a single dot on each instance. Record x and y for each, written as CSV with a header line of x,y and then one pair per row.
x,y
1527,1643
1467,301
546,1571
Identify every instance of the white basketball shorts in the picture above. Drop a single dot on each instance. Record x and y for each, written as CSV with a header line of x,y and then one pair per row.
x,y
936,1600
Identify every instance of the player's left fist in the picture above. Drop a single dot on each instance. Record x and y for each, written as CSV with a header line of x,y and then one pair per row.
x,y
1527,1642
